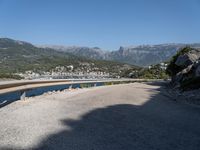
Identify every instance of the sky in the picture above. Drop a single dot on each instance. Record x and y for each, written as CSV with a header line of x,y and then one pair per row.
x,y
107,24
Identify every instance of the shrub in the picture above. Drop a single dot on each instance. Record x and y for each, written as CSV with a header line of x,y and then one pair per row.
x,y
10,76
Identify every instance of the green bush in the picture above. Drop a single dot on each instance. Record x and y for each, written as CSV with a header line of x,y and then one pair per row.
x,y
10,76
85,85
153,73
108,83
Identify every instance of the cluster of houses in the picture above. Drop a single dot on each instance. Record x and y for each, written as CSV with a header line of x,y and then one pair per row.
x,y
65,72
162,66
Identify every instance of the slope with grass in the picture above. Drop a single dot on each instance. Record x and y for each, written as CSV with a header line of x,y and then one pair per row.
x,y
18,57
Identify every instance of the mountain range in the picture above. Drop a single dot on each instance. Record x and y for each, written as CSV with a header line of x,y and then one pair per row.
x,y
142,55
18,57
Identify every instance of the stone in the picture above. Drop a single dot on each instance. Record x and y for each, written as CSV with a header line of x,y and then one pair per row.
x,y
187,70
197,71
188,59
189,66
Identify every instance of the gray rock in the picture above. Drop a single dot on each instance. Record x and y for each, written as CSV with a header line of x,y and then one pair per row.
x,y
190,64
188,59
178,77
197,71
187,70
182,61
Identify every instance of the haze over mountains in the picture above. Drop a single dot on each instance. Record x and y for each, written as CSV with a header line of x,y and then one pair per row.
x,y
19,57
143,55
27,60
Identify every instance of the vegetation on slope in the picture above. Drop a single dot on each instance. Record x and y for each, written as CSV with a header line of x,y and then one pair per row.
x,y
155,72
18,57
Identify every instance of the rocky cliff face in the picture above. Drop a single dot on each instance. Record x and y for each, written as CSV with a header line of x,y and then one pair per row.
x,y
143,55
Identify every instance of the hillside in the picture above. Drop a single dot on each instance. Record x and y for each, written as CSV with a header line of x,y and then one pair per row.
x,y
143,55
19,57
94,52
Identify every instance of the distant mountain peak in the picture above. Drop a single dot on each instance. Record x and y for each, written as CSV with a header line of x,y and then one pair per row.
x,y
141,55
96,48
19,57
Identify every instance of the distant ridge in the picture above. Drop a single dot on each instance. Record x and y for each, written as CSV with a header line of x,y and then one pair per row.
x,y
141,55
19,56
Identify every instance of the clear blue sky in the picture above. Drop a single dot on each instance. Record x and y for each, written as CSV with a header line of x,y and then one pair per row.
x,y
107,24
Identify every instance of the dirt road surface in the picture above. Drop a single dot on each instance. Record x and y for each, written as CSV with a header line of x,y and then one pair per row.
x,y
136,116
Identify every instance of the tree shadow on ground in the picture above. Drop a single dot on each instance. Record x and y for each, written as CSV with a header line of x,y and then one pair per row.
x,y
157,124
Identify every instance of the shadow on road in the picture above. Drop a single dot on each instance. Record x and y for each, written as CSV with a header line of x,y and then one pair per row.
x,y
157,124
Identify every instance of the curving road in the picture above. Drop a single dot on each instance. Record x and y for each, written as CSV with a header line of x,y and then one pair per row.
x,y
133,116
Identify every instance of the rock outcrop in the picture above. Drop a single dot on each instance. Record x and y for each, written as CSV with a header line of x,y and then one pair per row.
x,y
188,58
185,68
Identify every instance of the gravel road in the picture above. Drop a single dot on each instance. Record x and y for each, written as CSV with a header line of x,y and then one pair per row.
x,y
136,116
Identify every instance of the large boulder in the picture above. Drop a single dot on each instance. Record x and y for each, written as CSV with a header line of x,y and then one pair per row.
x,y
188,58
197,70
183,75
185,68
177,79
